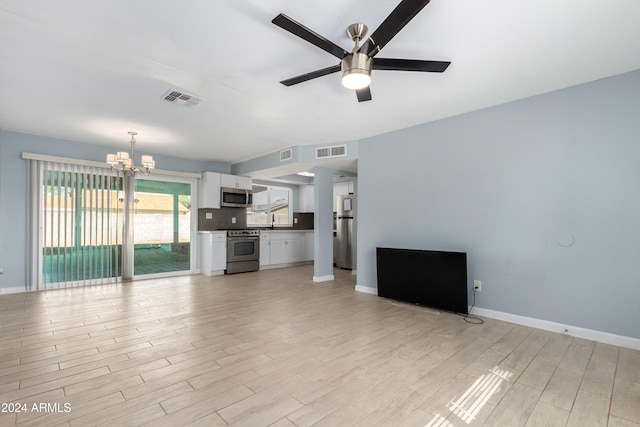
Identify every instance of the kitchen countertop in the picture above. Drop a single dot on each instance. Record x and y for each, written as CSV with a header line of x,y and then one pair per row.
x,y
277,229
284,229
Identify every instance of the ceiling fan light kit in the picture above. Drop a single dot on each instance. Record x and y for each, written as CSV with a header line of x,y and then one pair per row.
x,y
356,66
356,71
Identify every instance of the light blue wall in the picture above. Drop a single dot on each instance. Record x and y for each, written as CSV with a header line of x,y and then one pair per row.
x,y
267,161
14,190
300,154
512,186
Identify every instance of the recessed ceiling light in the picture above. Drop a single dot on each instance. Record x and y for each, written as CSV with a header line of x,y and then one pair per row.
x,y
305,173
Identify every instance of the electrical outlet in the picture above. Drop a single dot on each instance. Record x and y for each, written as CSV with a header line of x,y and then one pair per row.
x,y
477,285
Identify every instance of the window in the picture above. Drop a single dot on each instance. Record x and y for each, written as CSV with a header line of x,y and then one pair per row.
x,y
270,206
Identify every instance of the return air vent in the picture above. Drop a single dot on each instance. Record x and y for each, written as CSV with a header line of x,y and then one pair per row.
x,y
339,151
286,155
178,97
328,152
322,153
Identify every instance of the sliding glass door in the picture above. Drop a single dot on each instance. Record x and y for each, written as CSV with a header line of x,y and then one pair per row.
x,y
161,226
81,226
94,226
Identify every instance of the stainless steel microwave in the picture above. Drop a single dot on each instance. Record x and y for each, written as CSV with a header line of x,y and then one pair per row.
x,y
235,197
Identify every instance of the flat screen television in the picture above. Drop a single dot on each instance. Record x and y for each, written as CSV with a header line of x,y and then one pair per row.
x,y
435,279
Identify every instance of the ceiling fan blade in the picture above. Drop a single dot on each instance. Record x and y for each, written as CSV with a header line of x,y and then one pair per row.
x,y
401,15
410,65
364,94
312,75
286,23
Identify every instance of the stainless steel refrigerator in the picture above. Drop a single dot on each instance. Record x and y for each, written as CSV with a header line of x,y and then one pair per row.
x,y
343,247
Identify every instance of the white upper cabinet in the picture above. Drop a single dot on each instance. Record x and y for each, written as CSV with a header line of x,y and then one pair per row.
x,y
307,202
306,198
234,181
341,188
210,190
213,181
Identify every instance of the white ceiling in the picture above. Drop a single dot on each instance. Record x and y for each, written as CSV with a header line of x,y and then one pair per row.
x,y
89,71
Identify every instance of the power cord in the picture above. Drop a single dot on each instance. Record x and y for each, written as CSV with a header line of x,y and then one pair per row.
x,y
469,319
472,319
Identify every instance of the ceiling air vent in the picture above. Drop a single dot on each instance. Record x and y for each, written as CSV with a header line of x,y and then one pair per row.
x,y
328,152
322,153
286,155
339,151
178,97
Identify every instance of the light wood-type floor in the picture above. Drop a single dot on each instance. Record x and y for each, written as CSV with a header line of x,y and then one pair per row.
x,y
274,348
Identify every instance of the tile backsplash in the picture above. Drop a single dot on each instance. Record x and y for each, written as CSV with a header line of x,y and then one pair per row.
x,y
210,219
303,220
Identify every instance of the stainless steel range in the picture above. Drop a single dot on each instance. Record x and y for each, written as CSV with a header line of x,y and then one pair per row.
x,y
243,251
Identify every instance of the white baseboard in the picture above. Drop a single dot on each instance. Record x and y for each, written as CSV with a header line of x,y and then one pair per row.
x,y
13,290
366,290
323,278
590,334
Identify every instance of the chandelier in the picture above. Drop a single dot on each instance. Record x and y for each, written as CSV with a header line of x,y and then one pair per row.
x,y
122,162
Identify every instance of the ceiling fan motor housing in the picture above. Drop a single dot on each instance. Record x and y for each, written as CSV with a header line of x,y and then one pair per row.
x,y
356,68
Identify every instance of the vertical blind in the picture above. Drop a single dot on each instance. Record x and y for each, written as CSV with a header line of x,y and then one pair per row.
x,y
80,223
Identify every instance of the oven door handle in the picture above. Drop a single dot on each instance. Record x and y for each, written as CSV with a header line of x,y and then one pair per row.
x,y
235,239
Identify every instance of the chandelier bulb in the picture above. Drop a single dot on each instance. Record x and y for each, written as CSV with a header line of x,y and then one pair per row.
x,y
122,161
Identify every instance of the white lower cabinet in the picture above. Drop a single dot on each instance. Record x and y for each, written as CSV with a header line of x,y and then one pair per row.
x,y
278,251
220,252
265,252
293,250
285,247
277,248
214,253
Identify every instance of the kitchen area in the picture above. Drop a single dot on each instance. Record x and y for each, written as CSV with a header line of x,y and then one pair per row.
x,y
230,244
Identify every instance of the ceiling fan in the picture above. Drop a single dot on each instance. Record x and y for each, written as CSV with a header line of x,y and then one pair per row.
x,y
356,65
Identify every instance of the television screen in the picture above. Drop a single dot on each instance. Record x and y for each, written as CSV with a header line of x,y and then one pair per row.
x,y
435,279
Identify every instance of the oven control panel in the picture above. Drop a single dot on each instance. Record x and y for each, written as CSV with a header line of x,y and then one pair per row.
x,y
243,233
